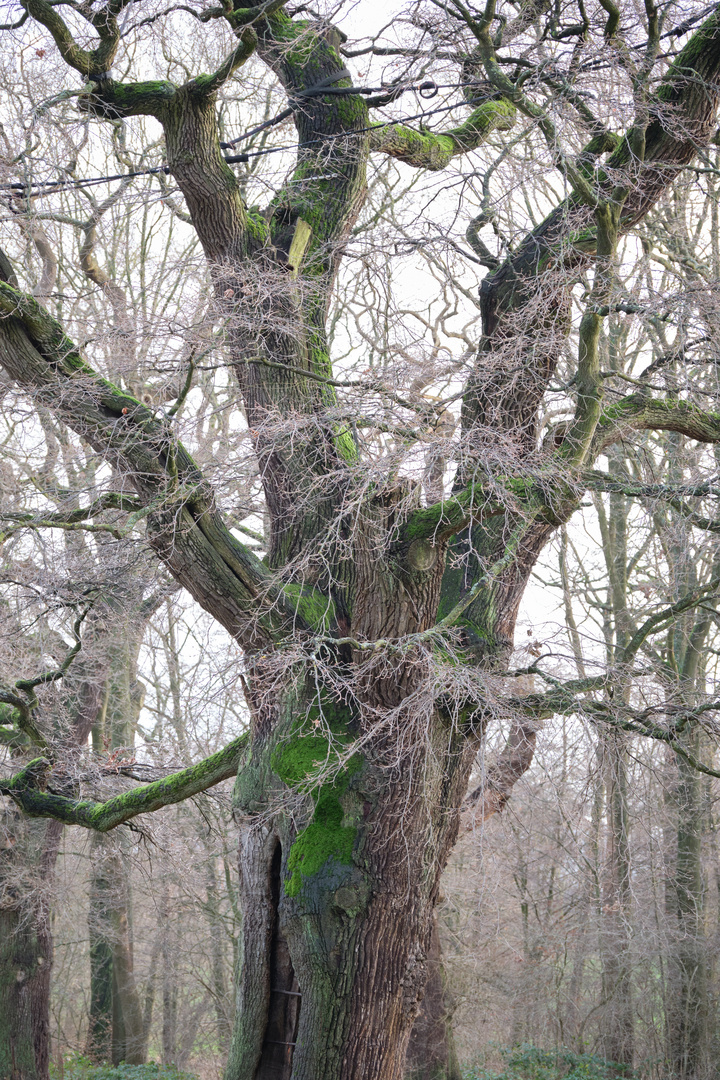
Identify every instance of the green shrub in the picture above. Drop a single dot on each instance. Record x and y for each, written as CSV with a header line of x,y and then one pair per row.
x,y
532,1063
78,1067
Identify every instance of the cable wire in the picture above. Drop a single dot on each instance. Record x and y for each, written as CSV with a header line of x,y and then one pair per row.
x,y
72,184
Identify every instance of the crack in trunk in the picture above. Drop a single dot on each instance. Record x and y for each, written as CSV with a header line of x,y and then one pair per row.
x,y
283,1013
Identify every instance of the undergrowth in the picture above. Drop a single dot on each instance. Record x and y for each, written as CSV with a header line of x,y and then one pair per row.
x,y
78,1067
532,1063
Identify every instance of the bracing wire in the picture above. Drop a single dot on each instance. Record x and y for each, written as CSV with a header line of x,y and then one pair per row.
x,y
47,187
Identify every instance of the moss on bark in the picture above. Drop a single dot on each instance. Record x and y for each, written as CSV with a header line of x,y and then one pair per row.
x,y
301,762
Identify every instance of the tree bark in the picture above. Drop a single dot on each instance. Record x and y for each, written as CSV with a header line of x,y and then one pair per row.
x,y
26,950
116,1029
688,1013
352,934
431,1054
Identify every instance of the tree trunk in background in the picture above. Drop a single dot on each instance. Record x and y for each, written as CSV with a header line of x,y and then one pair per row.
x,y
100,1020
128,1031
26,947
431,1054
591,916
116,1025
617,1019
28,855
169,983
688,1006
218,936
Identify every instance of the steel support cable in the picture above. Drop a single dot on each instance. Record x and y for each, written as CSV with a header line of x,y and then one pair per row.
x,y
59,185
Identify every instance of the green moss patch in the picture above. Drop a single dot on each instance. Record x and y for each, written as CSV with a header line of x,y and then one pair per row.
x,y
299,762
317,610
313,847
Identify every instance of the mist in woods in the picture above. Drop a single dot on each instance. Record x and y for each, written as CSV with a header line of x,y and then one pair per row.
x,y
358,507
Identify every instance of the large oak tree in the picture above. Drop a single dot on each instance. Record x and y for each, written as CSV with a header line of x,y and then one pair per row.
x,y
377,630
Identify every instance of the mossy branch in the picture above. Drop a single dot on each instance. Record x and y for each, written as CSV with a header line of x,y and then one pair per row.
x,y
183,521
89,62
250,16
641,413
22,718
108,98
561,701
440,521
27,789
443,519
428,150
613,20
209,84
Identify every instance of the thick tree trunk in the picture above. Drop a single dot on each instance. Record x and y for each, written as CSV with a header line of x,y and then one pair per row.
x,y
335,949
